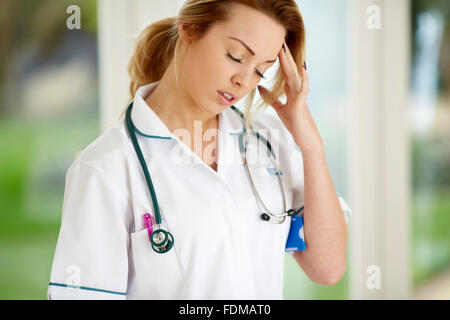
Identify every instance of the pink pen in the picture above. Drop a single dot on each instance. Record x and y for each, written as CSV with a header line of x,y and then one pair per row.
x,y
148,224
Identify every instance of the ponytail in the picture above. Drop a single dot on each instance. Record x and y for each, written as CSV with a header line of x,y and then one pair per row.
x,y
154,50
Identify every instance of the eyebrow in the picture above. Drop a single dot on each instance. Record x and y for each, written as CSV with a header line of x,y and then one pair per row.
x,y
249,49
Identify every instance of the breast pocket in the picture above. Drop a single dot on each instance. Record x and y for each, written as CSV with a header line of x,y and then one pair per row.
x,y
157,275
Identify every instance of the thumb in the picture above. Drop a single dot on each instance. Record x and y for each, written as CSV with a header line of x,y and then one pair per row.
x,y
268,98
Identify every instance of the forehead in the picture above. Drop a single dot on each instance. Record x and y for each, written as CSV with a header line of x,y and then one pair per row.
x,y
261,33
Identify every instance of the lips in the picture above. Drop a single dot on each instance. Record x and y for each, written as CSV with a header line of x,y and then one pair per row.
x,y
234,97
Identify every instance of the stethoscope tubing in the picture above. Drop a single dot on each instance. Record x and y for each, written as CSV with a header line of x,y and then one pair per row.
x,y
275,217
131,130
161,240
243,142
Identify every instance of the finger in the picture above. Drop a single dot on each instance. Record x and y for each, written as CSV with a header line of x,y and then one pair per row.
x,y
268,98
291,60
290,70
284,63
305,82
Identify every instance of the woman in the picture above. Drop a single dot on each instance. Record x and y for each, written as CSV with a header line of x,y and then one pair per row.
x,y
220,247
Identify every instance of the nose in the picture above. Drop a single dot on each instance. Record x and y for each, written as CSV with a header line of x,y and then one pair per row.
x,y
242,80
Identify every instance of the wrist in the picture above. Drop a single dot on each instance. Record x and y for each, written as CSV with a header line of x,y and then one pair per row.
x,y
315,149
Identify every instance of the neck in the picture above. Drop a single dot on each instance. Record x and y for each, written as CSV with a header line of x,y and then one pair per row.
x,y
175,107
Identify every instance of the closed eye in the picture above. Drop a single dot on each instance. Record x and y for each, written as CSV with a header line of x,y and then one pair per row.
x,y
240,61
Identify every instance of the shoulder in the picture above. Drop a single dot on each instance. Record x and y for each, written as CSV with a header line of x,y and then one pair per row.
x,y
109,148
108,154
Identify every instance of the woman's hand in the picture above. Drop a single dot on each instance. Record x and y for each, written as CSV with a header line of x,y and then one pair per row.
x,y
295,114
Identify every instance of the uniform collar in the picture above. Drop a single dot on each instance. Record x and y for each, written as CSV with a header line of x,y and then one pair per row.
x,y
150,125
145,119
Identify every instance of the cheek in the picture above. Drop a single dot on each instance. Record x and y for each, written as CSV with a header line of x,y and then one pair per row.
x,y
206,70
214,66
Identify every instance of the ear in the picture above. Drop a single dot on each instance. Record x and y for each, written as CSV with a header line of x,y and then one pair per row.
x,y
185,32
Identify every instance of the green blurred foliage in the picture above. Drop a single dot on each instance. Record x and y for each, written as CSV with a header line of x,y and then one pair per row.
x,y
15,166
430,154
36,151
29,227
430,162
430,247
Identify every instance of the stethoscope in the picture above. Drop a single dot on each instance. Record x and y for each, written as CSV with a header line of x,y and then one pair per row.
x,y
162,240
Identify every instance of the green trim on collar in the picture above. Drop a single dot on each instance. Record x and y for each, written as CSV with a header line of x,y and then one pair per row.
x,y
149,136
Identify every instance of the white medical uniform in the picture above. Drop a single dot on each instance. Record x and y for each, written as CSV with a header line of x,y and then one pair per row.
x,y
222,249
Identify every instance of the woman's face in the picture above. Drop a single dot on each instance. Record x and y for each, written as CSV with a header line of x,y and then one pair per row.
x,y
209,67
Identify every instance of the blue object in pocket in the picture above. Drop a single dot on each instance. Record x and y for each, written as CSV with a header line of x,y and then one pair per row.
x,y
296,237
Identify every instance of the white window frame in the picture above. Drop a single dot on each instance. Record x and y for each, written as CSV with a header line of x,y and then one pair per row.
x,y
378,150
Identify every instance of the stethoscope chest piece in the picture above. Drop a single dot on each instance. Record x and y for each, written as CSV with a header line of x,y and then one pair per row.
x,y
161,240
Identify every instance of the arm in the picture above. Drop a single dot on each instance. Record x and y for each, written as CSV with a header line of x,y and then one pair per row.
x,y
324,224
324,260
91,256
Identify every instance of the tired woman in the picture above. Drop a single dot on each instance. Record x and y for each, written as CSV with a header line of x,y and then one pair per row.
x,y
187,197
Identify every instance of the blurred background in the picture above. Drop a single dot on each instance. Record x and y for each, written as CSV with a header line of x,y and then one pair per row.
x,y
55,99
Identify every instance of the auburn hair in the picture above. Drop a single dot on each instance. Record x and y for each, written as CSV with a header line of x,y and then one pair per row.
x,y
158,43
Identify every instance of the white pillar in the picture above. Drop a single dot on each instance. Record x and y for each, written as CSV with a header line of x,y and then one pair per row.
x,y
119,23
379,168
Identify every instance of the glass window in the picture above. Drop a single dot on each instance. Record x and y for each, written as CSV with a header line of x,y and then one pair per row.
x,y
430,126
48,113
